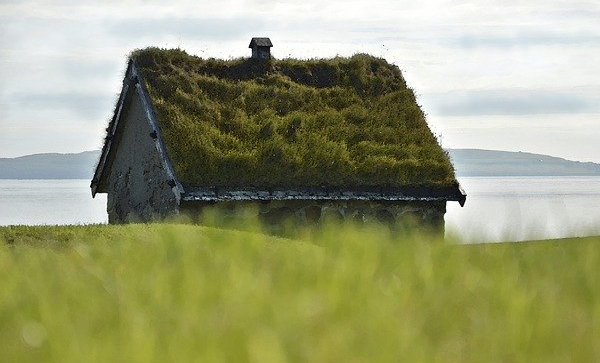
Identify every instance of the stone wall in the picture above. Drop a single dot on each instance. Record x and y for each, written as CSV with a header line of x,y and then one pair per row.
x,y
138,186
427,215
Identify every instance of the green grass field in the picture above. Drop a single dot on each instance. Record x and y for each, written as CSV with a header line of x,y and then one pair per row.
x,y
183,293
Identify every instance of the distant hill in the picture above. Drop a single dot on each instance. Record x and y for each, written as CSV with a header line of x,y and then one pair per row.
x,y
50,166
476,162
467,162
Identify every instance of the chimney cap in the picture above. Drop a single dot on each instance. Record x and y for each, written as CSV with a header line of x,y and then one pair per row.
x,y
260,42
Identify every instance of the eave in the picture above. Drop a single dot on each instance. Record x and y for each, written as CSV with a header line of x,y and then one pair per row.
x,y
197,194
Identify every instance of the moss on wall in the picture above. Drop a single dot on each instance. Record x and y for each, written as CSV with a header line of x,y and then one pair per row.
x,y
322,122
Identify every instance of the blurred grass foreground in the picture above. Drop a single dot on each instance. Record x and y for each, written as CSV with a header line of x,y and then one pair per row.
x,y
185,293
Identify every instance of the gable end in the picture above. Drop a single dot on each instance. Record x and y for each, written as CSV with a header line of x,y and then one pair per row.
x,y
132,86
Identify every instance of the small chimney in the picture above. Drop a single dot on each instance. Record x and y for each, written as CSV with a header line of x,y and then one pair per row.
x,y
261,48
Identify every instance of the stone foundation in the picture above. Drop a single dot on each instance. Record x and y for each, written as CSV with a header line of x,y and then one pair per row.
x,y
276,215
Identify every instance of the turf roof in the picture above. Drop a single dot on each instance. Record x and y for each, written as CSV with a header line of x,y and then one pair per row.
x,y
341,122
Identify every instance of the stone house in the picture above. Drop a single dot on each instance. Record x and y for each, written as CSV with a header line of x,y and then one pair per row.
x,y
178,142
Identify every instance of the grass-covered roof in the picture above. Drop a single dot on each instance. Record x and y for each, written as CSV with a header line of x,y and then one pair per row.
x,y
341,122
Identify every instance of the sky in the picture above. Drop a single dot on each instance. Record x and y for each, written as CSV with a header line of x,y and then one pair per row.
x,y
516,75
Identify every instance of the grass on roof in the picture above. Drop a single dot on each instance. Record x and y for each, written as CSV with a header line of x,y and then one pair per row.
x,y
341,122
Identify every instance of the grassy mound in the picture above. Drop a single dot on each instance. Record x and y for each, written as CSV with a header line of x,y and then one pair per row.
x,y
342,122
181,293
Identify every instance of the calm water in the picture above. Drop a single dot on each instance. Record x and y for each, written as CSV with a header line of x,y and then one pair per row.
x,y
522,208
497,209
66,201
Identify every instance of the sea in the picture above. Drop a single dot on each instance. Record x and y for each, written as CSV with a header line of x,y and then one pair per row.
x,y
497,209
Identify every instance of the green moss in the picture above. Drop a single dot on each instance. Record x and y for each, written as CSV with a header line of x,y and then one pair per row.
x,y
341,122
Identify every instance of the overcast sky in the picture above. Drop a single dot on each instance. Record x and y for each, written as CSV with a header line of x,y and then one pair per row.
x,y
517,75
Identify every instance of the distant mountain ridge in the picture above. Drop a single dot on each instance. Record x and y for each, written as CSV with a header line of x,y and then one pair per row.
x,y
477,162
467,162
50,166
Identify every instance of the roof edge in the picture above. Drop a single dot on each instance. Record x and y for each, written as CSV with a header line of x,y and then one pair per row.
x,y
416,193
110,131
159,142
